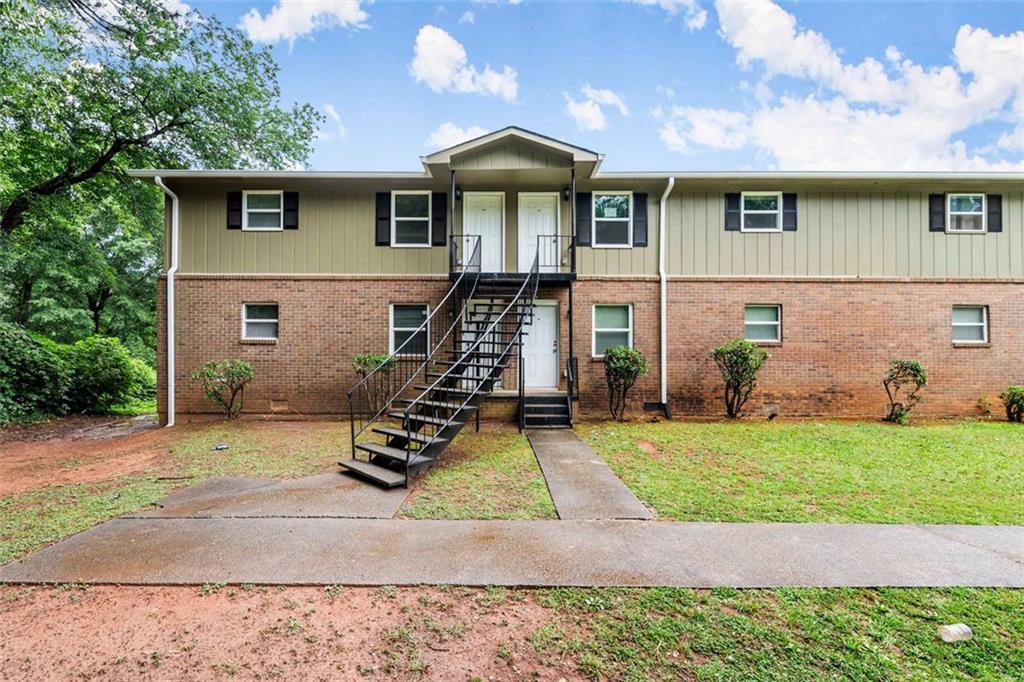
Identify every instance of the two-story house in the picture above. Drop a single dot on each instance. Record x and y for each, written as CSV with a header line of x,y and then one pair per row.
x,y
518,245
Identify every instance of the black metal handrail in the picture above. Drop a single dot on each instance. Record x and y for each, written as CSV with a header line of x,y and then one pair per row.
x,y
373,395
493,343
556,253
570,385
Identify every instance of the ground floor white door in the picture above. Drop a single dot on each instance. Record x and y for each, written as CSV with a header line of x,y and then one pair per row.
x,y
483,215
540,349
538,215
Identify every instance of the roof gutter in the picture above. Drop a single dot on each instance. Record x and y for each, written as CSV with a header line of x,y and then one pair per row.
x,y
171,272
663,285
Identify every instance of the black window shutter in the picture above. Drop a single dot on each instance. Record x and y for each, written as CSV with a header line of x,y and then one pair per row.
x,y
732,211
995,212
291,211
640,219
789,212
583,216
439,219
936,212
383,233
234,210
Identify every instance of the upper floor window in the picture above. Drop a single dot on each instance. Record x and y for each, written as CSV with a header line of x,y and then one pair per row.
x,y
613,219
410,218
761,212
965,212
762,323
970,324
259,321
262,209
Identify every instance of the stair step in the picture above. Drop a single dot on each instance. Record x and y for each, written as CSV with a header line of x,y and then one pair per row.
x,y
463,363
460,353
445,389
374,472
460,377
540,410
393,454
436,421
546,420
544,400
414,436
438,404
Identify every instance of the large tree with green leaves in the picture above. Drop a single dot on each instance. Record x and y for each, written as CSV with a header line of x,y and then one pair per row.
x,y
91,87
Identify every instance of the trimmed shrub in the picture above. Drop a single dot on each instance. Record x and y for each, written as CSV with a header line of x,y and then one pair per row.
x,y
33,376
378,389
903,373
102,374
224,384
622,367
739,361
1013,399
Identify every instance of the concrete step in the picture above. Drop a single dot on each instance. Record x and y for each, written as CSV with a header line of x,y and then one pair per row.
x,y
378,474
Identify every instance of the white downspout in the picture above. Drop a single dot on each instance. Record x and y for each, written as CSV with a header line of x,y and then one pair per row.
x,y
663,280
170,297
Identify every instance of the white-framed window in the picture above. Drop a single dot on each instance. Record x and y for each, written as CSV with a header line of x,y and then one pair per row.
x,y
405,320
613,326
761,212
612,220
410,218
262,209
762,323
970,324
259,321
965,213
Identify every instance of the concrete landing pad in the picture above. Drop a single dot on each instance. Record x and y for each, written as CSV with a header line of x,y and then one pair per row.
x,y
297,551
582,486
331,495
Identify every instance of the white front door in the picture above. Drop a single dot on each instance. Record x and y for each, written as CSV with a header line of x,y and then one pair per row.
x,y
482,214
538,215
540,348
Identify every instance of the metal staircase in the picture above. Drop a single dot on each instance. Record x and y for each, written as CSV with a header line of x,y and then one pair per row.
x,y
404,413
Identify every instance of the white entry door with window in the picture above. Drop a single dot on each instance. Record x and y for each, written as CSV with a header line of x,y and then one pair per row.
x,y
538,215
483,216
540,348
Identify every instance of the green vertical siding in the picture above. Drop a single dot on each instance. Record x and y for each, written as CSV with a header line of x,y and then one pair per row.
x,y
841,234
336,235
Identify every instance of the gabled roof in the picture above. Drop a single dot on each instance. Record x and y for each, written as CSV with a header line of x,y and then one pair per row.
x,y
577,154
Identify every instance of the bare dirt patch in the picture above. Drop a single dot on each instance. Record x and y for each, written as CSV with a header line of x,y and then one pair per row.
x,y
185,633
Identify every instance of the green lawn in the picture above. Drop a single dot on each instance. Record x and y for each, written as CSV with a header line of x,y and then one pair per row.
x,y
488,475
792,634
825,471
45,515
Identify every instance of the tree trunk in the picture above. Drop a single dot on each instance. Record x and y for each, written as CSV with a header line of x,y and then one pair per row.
x,y
24,299
97,302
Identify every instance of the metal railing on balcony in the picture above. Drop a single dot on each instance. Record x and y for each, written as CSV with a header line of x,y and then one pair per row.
x,y
556,253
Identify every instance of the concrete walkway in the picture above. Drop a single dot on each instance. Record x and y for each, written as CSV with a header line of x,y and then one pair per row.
x,y
147,550
582,486
332,495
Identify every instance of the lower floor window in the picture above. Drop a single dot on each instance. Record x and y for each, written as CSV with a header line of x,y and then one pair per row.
x,y
762,323
407,337
613,326
970,324
259,321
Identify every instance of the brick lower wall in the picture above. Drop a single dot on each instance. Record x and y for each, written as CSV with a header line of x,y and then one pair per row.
x,y
838,337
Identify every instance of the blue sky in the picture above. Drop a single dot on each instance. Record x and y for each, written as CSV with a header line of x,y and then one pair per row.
x,y
659,84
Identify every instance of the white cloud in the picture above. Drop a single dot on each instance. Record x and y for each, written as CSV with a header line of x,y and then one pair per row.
x,y
587,112
864,116
448,135
337,130
439,61
291,19
467,17
694,16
